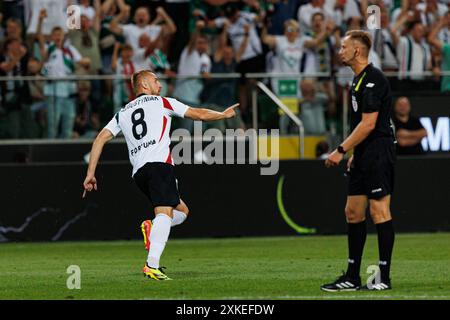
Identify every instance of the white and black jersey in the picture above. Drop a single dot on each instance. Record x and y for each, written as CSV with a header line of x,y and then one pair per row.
x,y
145,123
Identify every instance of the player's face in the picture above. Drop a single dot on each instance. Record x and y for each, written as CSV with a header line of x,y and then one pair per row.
x,y
155,86
347,52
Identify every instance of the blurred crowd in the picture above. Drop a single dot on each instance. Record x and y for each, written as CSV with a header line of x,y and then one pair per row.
x,y
295,41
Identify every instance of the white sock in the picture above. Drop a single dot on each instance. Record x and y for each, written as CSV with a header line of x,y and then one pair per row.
x,y
158,238
178,217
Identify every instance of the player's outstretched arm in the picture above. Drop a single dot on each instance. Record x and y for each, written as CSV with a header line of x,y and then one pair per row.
x,y
204,114
90,182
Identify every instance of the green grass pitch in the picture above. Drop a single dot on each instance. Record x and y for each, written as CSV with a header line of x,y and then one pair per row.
x,y
244,268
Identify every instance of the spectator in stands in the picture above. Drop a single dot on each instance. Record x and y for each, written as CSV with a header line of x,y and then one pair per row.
x,y
289,50
385,42
149,56
38,101
56,17
60,60
132,31
328,43
194,61
14,9
2,30
217,93
431,11
444,48
306,12
413,54
86,41
178,10
87,122
87,10
278,13
409,9
15,95
13,31
408,129
108,38
122,66
252,59
312,106
444,34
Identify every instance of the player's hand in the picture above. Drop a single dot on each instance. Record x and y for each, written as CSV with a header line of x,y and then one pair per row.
x,y
89,184
230,112
333,159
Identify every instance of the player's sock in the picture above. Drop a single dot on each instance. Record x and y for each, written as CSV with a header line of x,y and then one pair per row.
x,y
178,217
386,238
357,233
158,238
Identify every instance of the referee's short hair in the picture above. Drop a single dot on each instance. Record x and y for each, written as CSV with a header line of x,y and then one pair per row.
x,y
362,37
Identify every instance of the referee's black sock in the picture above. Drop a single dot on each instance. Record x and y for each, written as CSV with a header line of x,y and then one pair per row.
x,y
386,238
357,233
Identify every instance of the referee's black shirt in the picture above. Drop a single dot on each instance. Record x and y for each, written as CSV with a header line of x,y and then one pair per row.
x,y
371,92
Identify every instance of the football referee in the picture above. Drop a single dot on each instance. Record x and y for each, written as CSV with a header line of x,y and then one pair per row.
x,y
371,168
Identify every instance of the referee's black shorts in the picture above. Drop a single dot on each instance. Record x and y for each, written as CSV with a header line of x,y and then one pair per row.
x,y
372,171
157,181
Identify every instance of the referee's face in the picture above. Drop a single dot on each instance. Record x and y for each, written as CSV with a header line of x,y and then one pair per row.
x,y
347,52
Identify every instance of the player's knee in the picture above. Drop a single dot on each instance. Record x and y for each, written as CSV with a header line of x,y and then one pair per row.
x,y
353,215
183,208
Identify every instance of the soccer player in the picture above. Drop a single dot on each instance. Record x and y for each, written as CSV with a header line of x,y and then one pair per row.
x,y
145,123
371,168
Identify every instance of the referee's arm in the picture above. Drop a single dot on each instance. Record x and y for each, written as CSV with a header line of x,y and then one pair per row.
x,y
361,132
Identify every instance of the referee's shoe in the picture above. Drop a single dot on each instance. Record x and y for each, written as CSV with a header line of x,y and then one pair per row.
x,y
341,284
380,286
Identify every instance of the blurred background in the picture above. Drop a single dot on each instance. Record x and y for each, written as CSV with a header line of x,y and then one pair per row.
x,y
64,72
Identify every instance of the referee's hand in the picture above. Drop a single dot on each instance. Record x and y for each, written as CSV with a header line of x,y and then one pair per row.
x,y
333,159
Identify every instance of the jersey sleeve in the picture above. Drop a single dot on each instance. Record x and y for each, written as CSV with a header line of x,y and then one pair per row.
x,y
177,109
374,92
113,125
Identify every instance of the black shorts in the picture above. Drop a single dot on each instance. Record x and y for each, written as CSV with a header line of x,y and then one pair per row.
x,y
372,171
157,181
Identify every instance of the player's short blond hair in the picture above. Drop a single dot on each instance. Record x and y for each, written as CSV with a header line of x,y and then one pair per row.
x,y
136,78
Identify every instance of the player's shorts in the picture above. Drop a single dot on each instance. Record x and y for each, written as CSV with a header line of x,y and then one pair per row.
x,y
372,172
157,181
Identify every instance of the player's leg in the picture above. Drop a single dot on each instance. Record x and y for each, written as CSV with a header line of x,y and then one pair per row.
x,y
381,216
158,238
180,213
